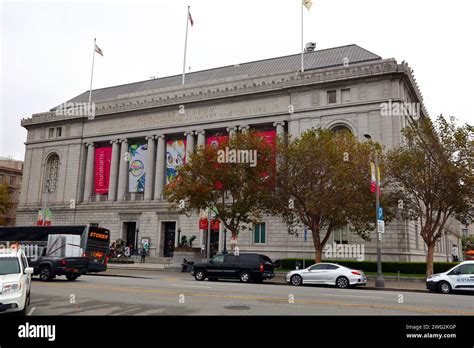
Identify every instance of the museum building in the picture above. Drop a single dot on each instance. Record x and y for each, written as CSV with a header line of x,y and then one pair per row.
x,y
111,169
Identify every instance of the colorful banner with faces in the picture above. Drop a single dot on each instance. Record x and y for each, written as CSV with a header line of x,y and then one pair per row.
x,y
175,157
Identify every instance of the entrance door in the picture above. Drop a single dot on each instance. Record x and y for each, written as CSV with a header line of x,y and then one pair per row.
x,y
129,232
168,245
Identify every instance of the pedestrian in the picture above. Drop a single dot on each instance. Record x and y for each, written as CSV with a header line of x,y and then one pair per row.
x,y
143,255
455,253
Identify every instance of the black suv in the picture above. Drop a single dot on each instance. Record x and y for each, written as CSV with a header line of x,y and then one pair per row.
x,y
246,267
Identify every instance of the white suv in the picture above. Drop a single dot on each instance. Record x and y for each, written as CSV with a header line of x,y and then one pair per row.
x,y
15,281
460,277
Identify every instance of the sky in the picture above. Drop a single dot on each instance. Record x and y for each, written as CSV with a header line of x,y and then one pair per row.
x,y
46,46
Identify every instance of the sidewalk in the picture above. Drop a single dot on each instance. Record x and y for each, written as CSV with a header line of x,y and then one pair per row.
x,y
145,270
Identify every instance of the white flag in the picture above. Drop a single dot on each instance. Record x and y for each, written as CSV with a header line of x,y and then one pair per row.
x,y
307,4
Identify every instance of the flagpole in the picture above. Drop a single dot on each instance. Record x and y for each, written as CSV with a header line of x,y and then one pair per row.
x,y
92,73
302,60
185,46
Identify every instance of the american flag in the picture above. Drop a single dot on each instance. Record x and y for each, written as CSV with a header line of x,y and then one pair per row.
x,y
190,18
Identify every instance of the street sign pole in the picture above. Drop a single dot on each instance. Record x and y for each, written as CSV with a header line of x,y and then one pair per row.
x,y
379,281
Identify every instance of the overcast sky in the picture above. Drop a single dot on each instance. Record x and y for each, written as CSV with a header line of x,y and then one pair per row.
x,y
46,46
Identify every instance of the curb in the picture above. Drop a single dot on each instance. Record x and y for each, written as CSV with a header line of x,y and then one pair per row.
x,y
270,282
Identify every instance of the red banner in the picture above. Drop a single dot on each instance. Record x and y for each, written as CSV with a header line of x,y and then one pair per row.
x,y
204,226
215,140
269,137
103,156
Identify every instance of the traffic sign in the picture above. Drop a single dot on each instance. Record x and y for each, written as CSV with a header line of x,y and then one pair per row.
x,y
381,226
380,213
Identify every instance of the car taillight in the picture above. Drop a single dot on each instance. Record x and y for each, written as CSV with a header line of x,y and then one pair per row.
x,y
261,268
85,254
106,260
356,273
63,262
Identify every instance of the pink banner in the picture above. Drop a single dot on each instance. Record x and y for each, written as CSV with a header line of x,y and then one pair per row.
x,y
102,169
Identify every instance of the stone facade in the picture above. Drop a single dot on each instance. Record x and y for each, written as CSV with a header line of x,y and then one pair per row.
x,y
10,176
290,102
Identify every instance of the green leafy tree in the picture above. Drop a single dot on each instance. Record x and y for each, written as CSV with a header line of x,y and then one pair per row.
x,y
433,171
5,203
323,182
232,190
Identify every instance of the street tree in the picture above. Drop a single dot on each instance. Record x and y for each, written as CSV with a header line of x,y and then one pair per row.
x,y
4,201
433,171
323,183
228,178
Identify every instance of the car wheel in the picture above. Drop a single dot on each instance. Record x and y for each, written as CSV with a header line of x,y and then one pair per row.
x,y
342,282
199,275
245,277
71,277
296,280
45,273
444,288
25,307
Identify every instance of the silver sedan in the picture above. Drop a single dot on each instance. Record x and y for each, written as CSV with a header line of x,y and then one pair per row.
x,y
328,274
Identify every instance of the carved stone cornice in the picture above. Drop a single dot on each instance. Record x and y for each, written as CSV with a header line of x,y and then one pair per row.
x,y
224,88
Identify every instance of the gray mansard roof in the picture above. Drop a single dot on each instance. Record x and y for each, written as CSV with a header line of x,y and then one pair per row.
x,y
312,60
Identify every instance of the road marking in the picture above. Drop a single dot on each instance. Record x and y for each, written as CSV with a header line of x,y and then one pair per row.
x,y
193,286
352,296
267,299
31,311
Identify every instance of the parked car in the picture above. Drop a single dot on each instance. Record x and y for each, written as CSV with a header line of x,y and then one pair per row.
x,y
246,267
460,277
15,281
327,273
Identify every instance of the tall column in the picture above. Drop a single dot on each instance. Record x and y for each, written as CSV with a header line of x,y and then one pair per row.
x,y
123,171
232,131
244,128
150,167
189,144
89,172
114,170
280,130
160,167
201,138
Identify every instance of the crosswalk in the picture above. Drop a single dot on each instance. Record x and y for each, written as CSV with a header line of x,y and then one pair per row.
x,y
48,305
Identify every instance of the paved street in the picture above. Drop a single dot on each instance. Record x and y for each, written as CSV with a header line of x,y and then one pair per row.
x,y
170,293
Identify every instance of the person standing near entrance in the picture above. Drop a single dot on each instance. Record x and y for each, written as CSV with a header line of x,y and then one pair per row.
x,y
143,255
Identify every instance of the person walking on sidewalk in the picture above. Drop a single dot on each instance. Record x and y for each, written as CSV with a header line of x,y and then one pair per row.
x,y
143,255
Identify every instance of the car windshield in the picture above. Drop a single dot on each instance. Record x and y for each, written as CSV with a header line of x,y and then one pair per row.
x,y
9,265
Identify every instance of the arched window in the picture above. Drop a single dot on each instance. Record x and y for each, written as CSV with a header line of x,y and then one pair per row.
x,y
341,128
52,171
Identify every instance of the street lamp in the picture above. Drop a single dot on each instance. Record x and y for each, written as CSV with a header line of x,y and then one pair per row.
x,y
136,241
379,281
225,239
47,192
